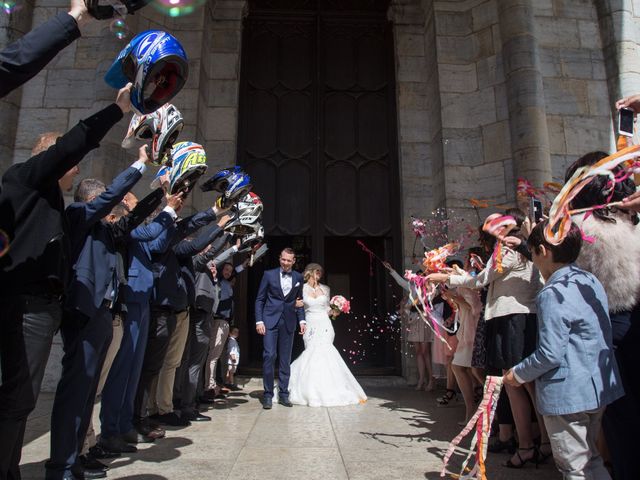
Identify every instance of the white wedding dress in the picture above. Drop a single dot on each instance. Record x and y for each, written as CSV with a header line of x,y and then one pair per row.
x,y
319,376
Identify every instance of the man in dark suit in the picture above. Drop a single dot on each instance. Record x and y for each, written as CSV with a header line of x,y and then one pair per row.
x,y
168,311
116,414
34,271
87,319
276,315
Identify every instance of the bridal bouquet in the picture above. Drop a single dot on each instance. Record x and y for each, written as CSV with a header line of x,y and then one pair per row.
x,y
339,305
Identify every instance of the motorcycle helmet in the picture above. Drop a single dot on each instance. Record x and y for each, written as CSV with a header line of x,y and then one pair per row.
x,y
189,163
156,64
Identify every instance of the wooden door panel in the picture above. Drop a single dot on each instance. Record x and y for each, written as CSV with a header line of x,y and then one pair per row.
x,y
341,198
262,126
296,125
373,143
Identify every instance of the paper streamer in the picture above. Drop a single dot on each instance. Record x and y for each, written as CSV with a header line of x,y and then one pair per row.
x,y
499,226
481,423
560,216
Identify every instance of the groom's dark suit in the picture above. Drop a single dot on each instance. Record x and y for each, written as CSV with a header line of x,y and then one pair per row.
x,y
279,315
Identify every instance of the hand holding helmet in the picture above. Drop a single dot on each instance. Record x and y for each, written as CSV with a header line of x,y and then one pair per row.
x,y
175,201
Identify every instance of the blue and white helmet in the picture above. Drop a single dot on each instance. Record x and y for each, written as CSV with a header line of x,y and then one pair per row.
x,y
156,64
189,163
220,181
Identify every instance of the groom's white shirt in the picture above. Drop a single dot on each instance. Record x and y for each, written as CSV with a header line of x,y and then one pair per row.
x,y
286,281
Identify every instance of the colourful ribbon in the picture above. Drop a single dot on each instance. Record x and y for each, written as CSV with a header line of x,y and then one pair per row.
x,y
480,423
560,216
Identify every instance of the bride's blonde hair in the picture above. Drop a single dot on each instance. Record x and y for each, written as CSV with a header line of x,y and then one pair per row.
x,y
311,269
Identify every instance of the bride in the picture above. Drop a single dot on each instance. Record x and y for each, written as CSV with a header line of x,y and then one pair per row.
x,y
319,376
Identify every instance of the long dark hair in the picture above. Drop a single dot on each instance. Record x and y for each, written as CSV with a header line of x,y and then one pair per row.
x,y
598,192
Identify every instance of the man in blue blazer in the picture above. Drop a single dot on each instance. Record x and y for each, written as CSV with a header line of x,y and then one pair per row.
x,y
276,316
87,320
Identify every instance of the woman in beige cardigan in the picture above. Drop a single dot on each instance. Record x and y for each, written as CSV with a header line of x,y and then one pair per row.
x,y
510,314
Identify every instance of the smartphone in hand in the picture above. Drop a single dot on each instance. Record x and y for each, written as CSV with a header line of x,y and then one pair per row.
x,y
625,122
535,210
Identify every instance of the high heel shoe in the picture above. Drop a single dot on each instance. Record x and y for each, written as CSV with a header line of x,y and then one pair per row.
x,y
543,457
523,461
449,396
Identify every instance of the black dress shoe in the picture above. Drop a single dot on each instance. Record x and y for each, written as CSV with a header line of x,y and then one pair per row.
x,y
285,402
195,417
266,403
206,400
79,473
134,436
172,419
89,462
116,445
98,452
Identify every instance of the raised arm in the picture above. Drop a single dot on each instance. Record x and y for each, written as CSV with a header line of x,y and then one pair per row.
x,y
49,166
188,248
201,260
128,225
23,59
84,215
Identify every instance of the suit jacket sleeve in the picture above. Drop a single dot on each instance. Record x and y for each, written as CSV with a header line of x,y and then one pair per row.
x,y
553,338
190,224
162,243
23,59
261,298
190,248
85,215
129,224
49,166
225,256
200,261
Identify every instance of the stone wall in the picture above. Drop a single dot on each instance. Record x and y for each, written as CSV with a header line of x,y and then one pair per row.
x,y
474,112
575,81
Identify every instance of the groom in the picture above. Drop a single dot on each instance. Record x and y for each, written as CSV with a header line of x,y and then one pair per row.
x,y
276,316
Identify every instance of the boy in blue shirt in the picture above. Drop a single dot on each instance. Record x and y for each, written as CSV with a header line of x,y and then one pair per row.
x,y
573,366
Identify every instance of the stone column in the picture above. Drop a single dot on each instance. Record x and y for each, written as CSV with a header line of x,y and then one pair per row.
x,y
525,92
217,126
619,23
419,127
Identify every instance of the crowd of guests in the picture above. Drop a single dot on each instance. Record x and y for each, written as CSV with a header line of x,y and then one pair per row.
x,y
559,322
142,298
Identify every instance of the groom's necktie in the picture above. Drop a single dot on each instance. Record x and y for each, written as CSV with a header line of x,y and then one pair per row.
x,y
286,281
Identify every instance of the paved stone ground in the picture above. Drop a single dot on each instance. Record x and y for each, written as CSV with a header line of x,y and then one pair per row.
x,y
398,434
